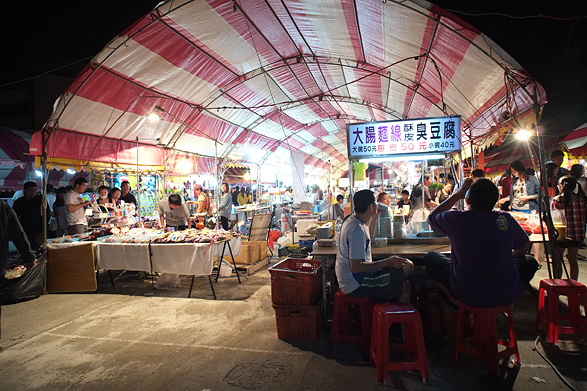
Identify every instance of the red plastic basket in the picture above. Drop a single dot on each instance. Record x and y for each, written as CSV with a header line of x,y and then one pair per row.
x,y
296,281
298,322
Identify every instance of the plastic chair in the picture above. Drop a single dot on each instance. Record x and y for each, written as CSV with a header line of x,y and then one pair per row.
x,y
549,317
344,326
484,341
384,315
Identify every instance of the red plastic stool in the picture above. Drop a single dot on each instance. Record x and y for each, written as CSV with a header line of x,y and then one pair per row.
x,y
384,315
343,325
550,319
484,338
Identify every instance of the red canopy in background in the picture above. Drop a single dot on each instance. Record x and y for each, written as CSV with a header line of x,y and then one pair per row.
x,y
576,141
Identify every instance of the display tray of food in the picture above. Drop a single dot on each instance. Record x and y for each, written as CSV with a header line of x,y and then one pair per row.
x,y
149,235
195,236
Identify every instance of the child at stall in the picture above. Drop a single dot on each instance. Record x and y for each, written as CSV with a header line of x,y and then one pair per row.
x,y
572,201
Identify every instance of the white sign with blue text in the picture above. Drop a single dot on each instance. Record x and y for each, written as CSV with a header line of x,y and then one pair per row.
x,y
420,136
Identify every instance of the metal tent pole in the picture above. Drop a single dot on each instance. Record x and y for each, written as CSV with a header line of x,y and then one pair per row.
x,y
217,190
352,184
138,187
329,192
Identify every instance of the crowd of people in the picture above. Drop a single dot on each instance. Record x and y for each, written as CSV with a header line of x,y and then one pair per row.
x,y
65,213
66,207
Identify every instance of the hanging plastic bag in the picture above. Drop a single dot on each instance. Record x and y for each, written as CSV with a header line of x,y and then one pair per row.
x,y
53,225
225,269
558,215
30,285
534,223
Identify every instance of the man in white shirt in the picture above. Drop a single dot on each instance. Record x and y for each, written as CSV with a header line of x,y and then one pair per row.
x,y
174,214
75,208
358,275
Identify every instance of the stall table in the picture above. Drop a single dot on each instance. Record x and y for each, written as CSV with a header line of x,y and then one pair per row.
x,y
195,259
192,259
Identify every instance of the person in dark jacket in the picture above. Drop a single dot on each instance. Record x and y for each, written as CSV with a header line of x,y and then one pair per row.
x,y
11,230
28,209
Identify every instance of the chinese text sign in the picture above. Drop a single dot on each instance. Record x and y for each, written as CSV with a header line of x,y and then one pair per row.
x,y
412,136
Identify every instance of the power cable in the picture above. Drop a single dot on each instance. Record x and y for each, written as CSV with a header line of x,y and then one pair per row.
x,y
554,368
45,73
538,16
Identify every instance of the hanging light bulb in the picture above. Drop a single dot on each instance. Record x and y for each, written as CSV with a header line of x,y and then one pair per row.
x,y
523,135
153,117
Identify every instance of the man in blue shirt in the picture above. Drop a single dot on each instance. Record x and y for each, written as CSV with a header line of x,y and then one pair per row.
x,y
488,266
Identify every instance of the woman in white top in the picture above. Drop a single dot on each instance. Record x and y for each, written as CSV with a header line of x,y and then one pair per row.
x,y
525,188
225,207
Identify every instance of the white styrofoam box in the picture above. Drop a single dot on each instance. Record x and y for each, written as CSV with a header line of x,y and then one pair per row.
x,y
300,225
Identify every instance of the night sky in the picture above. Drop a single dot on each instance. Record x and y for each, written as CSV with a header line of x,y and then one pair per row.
x,y
48,35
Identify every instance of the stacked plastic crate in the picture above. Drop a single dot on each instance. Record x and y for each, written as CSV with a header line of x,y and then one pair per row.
x,y
295,291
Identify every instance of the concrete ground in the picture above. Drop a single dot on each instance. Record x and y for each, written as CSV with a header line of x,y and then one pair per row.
x,y
133,337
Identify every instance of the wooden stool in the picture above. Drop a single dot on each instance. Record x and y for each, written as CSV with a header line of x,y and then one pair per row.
x,y
484,339
549,318
384,315
342,324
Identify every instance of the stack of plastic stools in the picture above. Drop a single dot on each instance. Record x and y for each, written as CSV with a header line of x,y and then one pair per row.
x,y
484,340
384,315
344,323
550,320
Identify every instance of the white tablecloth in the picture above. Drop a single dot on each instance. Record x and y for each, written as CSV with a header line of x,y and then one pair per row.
x,y
177,258
122,256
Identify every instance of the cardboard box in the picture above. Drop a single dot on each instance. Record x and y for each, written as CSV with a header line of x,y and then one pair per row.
x,y
262,249
249,253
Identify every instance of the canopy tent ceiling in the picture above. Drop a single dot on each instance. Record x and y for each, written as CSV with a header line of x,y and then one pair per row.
x,y
250,80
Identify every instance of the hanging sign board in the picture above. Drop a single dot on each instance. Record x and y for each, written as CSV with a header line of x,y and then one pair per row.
x,y
420,136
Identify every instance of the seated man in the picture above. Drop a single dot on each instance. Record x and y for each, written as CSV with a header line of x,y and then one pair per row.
x,y
358,275
489,265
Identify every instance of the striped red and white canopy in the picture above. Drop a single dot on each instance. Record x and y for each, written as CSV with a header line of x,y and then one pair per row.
x,y
250,80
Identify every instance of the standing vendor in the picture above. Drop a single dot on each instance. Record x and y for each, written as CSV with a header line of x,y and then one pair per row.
x,y
174,214
75,208
126,195
103,196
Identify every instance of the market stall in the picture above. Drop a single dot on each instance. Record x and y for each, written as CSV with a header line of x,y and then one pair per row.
x,y
189,252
